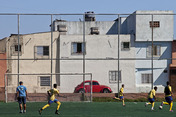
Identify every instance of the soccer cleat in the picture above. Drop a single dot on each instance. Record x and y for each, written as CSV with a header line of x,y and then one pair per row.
x,y
57,113
40,111
21,111
124,105
24,111
152,109
171,111
145,104
162,103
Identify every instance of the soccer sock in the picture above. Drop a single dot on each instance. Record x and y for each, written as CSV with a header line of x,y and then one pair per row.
x,y
117,98
123,102
58,106
45,106
153,105
166,103
171,104
148,103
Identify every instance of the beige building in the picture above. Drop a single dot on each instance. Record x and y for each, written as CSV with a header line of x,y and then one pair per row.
x,y
36,48
67,58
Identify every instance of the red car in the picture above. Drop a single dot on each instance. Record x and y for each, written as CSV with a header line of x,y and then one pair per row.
x,y
96,87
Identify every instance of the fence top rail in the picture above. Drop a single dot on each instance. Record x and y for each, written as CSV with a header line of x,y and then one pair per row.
x,y
85,13
49,74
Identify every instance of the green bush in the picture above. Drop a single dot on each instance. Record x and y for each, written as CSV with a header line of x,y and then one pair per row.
x,y
108,99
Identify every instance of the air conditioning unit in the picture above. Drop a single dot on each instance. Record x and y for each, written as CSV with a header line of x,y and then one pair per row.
x,y
62,28
94,30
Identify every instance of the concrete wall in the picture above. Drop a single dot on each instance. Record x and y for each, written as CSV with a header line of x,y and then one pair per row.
x,y
162,33
144,66
28,43
98,47
76,28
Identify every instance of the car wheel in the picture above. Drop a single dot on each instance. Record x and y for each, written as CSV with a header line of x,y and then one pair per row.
x,y
105,91
81,91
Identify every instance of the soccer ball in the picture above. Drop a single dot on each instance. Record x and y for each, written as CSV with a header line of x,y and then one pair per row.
x,y
160,107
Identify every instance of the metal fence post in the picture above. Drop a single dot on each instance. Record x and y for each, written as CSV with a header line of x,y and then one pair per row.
x,y
51,50
5,87
152,54
118,51
18,48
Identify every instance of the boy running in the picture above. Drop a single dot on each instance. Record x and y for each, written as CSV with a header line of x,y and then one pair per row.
x,y
168,96
121,95
151,98
51,94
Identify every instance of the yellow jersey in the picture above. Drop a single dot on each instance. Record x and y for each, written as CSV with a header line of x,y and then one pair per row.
x,y
53,92
121,92
167,91
151,94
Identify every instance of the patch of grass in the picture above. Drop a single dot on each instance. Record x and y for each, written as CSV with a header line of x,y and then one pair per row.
x,y
85,109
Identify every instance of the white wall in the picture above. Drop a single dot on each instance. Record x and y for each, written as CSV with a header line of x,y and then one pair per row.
x,y
144,66
76,28
98,47
162,33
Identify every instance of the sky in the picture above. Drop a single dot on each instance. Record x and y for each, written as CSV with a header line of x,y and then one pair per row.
x,y
33,24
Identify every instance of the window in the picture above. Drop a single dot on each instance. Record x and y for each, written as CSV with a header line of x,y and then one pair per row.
x,y
87,83
44,81
156,51
16,48
95,83
125,46
41,51
146,78
78,48
173,71
113,76
155,24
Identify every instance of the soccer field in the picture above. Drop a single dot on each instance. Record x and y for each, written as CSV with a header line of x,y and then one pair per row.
x,y
86,109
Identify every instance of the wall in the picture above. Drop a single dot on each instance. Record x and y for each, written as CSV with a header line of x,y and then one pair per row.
x,y
76,28
144,66
31,66
97,47
174,52
144,31
3,68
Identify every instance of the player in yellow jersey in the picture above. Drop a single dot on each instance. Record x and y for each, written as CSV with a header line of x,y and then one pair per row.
x,y
151,98
51,94
121,95
168,97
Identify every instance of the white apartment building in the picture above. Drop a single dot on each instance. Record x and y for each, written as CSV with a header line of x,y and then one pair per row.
x,y
100,47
